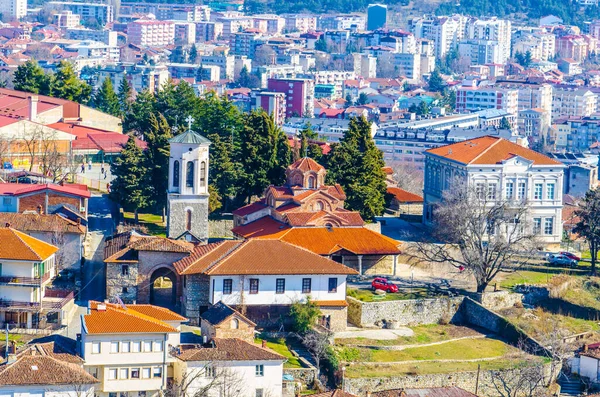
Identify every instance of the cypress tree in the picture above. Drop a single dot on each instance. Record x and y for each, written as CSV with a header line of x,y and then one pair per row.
x,y
157,157
66,84
125,95
106,99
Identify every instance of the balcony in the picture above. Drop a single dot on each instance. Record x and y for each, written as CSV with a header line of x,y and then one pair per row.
x,y
10,305
24,281
55,300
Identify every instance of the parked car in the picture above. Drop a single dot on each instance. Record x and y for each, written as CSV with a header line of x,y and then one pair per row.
x,y
570,255
562,260
384,285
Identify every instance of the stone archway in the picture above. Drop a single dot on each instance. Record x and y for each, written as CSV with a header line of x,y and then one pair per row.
x,y
163,288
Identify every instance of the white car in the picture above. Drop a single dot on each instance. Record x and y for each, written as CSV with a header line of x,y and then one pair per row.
x,y
559,259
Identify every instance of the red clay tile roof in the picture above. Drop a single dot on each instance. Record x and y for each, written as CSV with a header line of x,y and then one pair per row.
x,y
258,256
403,196
16,189
306,164
229,350
204,256
40,223
157,312
489,150
348,218
31,370
333,393
250,208
338,303
19,246
388,170
125,247
60,348
115,319
451,391
265,226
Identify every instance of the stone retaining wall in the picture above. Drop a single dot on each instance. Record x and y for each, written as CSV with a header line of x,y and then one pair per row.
x,y
464,380
499,300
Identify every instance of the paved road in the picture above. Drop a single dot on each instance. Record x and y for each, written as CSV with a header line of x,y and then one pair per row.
x,y
101,225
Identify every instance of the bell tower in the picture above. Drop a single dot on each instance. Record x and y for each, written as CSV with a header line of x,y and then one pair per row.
x,y
187,195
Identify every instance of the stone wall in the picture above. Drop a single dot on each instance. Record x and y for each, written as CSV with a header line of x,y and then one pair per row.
x,y
464,380
150,261
194,299
404,312
338,317
116,281
372,264
177,216
499,300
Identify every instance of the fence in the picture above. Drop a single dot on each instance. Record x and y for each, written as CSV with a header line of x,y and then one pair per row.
x,y
100,185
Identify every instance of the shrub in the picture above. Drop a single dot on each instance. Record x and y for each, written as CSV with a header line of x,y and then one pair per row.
x,y
304,315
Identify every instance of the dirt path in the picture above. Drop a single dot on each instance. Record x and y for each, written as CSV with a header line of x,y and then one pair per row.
x,y
403,347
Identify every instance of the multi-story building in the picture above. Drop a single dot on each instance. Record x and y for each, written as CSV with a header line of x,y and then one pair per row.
x,y
577,134
225,62
479,98
573,102
105,36
208,31
409,65
100,12
66,20
245,43
505,171
354,22
481,52
573,47
95,49
400,41
299,95
300,23
541,45
273,103
330,130
164,11
234,24
495,30
445,32
140,77
531,95
16,9
376,16
148,32
269,23
535,125
185,33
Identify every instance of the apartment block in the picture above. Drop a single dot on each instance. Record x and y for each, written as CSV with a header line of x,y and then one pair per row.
x,y
299,95
479,98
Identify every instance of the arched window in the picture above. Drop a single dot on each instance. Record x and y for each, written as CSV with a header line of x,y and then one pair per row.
x,y
176,173
235,323
188,220
311,182
189,174
203,174
319,206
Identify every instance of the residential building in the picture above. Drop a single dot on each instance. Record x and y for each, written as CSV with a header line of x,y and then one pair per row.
x,y
488,32
101,12
66,20
126,347
481,52
140,77
330,130
299,95
479,98
573,47
226,63
232,25
185,33
208,31
445,32
230,367
274,23
16,9
302,23
152,33
535,125
569,67
541,45
166,11
573,102
376,16
95,49
28,268
105,36
508,171
273,103
577,134
581,174
404,202
353,22
531,95
221,321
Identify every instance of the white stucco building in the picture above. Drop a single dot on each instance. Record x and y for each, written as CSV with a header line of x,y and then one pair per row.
x,y
506,171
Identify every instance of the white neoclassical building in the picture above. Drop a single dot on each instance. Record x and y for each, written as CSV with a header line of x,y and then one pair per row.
x,y
507,171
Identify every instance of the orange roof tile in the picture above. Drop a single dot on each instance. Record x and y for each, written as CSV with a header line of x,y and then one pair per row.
x,y
489,150
250,208
204,256
265,226
157,312
337,303
268,256
306,164
19,246
116,319
404,196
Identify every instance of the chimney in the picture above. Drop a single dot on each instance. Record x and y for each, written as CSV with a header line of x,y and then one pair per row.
x,y
264,344
33,107
40,210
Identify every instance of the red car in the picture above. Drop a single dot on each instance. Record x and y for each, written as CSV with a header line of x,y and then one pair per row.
x,y
570,255
384,285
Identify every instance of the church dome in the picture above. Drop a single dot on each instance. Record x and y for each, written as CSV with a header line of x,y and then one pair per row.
x,y
190,137
306,164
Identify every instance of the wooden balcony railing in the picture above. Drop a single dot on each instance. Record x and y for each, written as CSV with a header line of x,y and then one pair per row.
x,y
19,306
25,281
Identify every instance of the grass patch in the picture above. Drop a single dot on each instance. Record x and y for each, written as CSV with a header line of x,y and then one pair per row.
x,y
153,223
542,325
378,370
280,346
584,292
367,295
525,277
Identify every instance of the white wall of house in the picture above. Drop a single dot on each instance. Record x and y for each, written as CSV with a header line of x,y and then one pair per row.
x,y
71,250
241,378
47,391
267,291
589,367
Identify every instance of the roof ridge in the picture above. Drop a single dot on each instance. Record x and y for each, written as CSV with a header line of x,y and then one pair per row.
x,y
214,264
16,233
485,150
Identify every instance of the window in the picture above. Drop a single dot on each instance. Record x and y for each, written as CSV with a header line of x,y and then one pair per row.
x,y
479,189
124,373
491,191
260,370
235,323
521,191
210,372
136,347
254,286
306,285
125,347
112,373
227,286
6,200
147,346
112,395
146,373
548,225
203,174
510,187
158,346
125,270
189,174
114,347
311,182
259,393
95,347
188,220
537,225
135,373
157,372
550,191
176,173
537,191
332,285
280,286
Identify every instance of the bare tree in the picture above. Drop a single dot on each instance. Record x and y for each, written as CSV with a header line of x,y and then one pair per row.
x,y
207,380
31,141
264,55
476,230
408,177
317,344
524,381
59,239
385,66
5,148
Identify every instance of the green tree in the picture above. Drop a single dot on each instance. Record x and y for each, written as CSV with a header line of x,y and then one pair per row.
x,y
129,186
357,165
193,56
176,102
223,175
30,77
588,226
504,124
244,79
66,84
436,83
138,118
125,95
308,149
321,45
363,99
215,201
157,160
304,315
106,99
348,100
